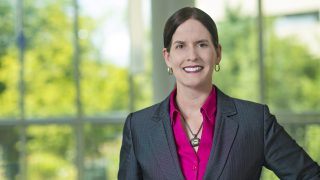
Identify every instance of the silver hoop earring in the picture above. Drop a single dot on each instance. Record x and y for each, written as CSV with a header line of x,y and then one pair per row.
x,y
170,71
217,67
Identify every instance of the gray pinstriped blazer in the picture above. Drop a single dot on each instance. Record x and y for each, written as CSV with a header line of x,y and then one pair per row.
x,y
246,137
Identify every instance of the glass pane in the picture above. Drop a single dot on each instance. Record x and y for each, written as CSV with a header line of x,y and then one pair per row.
x,y
9,153
103,149
307,136
9,62
236,23
105,52
50,87
292,56
50,152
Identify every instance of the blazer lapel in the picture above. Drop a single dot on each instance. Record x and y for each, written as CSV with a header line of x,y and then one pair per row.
x,y
225,132
162,143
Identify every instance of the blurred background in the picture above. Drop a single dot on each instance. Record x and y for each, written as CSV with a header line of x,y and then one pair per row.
x,y
71,71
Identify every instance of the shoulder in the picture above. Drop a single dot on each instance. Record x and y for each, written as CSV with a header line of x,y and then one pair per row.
x,y
229,102
253,107
242,104
246,110
146,114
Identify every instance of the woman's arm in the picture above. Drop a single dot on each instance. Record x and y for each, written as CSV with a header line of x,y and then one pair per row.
x,y
283,155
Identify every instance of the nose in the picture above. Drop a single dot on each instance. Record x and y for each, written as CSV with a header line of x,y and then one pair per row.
x,y
192,54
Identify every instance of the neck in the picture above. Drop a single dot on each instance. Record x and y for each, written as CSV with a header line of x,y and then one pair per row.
x,y
190,100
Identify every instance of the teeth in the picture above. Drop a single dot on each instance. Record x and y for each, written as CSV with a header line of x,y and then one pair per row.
x,y
192,69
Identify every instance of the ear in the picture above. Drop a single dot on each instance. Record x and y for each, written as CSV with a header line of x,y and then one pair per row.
x,y
219,54
166,56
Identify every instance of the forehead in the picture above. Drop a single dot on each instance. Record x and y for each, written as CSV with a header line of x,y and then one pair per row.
x,y
191,29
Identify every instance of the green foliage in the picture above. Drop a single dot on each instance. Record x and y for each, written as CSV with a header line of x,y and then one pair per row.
x,y
293,76
268,175
51,139
50,87
49,76
105,88
239,68
312,141
292,73
7,27
48,60
9,93
96,138
142,91
103,144
8,62
54,168
50,152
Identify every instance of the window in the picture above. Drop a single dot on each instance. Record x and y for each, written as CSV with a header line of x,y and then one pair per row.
x,y
66,83
291,62
71,70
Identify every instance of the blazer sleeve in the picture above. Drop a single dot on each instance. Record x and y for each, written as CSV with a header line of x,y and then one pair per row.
x,y
283,155
129,167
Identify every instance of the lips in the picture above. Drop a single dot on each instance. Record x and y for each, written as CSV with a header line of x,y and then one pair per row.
x,y
192,69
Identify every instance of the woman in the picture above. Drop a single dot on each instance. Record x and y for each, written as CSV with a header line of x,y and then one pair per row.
x,y
198,132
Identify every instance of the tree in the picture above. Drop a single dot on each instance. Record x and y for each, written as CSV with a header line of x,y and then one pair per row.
x,y
239,66
50,85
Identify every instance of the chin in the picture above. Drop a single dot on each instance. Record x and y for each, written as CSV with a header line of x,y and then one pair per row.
x,y
196,84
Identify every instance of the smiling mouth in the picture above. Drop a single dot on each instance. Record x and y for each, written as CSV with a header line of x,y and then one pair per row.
x,y
192,69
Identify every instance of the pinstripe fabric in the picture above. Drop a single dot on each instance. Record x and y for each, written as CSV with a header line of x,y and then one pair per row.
x,y
246,138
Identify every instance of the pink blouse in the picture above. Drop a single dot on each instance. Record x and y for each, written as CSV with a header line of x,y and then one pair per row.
x,y
193,164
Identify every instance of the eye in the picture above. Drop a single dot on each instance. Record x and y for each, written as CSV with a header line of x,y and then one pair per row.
x,y
179,46
203,45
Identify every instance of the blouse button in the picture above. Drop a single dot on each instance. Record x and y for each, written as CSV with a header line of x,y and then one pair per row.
x,y
194,167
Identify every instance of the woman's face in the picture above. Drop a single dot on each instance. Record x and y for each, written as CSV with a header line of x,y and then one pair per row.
x,y
192,55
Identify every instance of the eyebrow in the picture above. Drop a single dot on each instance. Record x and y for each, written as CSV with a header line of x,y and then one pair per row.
x,y
178,42
199,41
202,41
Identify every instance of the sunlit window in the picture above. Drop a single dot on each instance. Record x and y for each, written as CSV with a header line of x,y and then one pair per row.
x,y
72,70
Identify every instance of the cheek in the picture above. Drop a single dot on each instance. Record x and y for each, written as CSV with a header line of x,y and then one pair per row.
x,y
175,60
211,59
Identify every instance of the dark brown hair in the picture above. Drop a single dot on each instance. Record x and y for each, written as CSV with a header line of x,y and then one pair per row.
x,y
181,16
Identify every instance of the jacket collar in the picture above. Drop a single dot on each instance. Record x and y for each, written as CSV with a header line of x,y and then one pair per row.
x,y
226,129
163,145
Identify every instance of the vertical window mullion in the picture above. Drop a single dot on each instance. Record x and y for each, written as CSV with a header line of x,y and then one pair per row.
x,y
78,125
261,52
22,127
